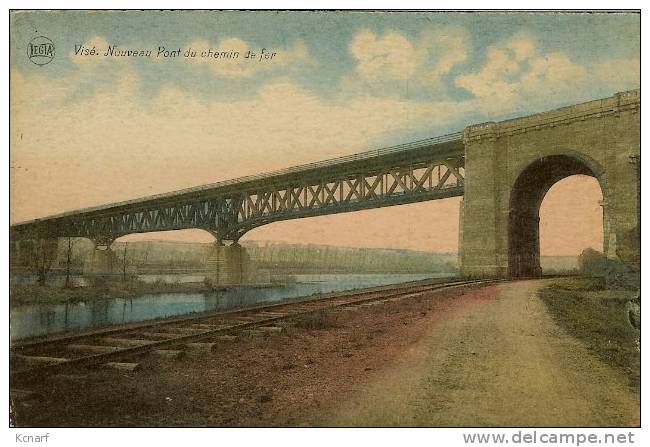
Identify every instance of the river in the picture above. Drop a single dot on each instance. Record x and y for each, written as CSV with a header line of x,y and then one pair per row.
x,y
32,320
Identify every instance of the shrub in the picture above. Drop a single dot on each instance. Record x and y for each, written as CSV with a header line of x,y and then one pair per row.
x,y
617,274
592,263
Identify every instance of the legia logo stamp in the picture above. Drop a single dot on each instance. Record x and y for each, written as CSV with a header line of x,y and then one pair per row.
x,y
40,50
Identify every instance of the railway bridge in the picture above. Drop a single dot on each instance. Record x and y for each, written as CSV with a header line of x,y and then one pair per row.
x,y
502,170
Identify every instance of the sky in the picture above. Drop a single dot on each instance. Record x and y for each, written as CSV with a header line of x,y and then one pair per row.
x,y
89,129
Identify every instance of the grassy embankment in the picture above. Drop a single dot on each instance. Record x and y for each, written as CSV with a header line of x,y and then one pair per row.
x,y
33,294
597,315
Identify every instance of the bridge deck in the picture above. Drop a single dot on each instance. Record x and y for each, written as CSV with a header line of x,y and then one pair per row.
x,y
388,176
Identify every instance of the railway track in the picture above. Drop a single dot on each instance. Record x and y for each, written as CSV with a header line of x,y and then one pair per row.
x,y
118,347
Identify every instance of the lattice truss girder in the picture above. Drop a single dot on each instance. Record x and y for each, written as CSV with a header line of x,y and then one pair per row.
x,y
391,185
229,216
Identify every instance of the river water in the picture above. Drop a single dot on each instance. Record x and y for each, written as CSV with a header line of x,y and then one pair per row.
x,y
32,320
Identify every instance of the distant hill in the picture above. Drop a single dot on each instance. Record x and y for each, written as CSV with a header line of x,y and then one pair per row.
x,y
312,258
283,257
277,257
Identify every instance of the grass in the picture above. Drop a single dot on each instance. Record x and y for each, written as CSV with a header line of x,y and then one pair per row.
x,y
580,284
595,314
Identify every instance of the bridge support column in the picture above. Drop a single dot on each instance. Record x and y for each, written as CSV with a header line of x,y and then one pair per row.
x,y
609,233
484,249
621,204
102,262
229,265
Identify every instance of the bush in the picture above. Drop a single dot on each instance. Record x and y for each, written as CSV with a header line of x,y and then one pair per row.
x,y
617,274
592,263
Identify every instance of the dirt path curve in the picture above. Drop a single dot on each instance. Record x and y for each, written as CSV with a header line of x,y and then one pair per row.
x,y
503,362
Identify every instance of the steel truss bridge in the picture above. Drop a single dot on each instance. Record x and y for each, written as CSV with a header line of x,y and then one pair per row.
x,y
414,172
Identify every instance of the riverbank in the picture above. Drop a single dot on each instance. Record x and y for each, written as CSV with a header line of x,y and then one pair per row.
x,y
596,315
42,315
20,294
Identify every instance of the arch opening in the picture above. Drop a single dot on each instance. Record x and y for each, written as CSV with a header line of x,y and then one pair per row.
x,y
526,198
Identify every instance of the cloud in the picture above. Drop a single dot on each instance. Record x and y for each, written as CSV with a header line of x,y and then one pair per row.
x,y
514,76
553,72
444,49
389,57
393,56
516,72
521,47
500,75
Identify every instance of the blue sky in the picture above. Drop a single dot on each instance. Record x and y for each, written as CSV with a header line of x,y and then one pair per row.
x,y
342,82
585,38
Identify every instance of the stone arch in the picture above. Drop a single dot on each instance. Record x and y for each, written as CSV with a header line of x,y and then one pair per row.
x,y
526,196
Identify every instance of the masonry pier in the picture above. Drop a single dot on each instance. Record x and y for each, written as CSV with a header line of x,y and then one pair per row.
x,y
229,265
102,262
511,165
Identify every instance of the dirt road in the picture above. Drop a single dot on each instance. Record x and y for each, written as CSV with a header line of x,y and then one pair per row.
x,y
501,362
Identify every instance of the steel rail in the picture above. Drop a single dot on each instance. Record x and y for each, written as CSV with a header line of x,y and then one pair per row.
x,y
316,305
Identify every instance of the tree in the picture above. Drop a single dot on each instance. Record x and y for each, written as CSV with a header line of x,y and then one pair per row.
x,y
42,256
592,262
68,262
124,261
145,257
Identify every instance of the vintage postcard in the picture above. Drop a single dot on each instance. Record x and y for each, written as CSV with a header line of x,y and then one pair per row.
x,y
325,218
